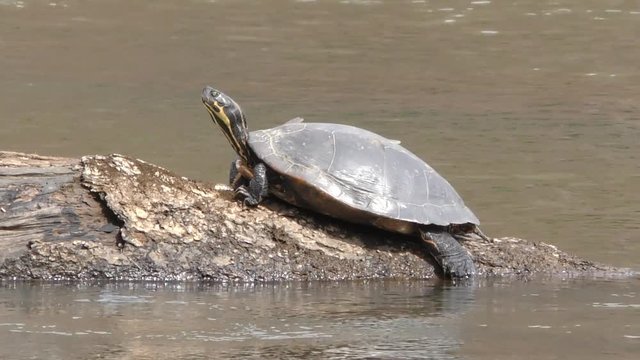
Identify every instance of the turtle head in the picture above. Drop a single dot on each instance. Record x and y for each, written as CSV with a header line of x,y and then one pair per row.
x,y
228,115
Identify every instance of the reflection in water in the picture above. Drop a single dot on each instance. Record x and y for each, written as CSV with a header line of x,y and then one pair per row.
x,y
555,320
374,319
361,319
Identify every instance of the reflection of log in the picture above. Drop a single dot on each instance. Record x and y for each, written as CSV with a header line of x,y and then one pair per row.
x,y
119,218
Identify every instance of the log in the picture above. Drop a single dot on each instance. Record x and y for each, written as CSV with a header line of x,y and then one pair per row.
x,y
114,217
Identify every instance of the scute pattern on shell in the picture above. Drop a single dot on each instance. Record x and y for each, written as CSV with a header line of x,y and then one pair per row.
x,y
363,170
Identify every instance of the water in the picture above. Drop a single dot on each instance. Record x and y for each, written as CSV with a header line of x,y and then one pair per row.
x,y
530,109
358,320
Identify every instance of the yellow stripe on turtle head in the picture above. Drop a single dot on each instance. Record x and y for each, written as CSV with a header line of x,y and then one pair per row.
x,y
228,115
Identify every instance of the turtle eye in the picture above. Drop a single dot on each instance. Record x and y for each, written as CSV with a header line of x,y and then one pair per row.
x,y
222,100
219,98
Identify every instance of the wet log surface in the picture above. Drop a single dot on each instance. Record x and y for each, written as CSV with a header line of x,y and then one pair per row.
x,y
114,217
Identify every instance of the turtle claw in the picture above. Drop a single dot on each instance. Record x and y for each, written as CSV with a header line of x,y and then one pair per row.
x,y
248,199
242,191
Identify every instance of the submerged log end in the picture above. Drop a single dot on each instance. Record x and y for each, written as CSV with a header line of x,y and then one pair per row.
x,y
113,217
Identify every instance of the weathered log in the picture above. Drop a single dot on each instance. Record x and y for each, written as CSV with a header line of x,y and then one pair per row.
x,y
113,217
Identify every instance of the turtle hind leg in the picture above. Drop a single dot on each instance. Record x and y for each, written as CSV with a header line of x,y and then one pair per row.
x,y
454,259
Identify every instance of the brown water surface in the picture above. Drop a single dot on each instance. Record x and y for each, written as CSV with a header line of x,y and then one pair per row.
x,y
561,319
531,108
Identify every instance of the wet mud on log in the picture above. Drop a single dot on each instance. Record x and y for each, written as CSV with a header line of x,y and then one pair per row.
x,y
113,217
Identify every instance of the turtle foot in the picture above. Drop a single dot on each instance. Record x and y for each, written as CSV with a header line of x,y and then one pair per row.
x,y
453,258
248,199
458,267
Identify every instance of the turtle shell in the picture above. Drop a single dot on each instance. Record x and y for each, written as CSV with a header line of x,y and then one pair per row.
x,y
353,168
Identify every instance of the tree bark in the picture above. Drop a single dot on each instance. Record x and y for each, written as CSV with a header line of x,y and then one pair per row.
x,y
113,217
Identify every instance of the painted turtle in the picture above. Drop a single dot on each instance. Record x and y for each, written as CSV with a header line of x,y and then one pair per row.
x,y
347,173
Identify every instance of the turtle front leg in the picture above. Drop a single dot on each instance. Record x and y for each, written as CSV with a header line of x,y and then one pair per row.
x,y
452,257
236,177
258,186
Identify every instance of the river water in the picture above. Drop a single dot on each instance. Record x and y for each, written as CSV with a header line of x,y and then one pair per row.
x,y
531,109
